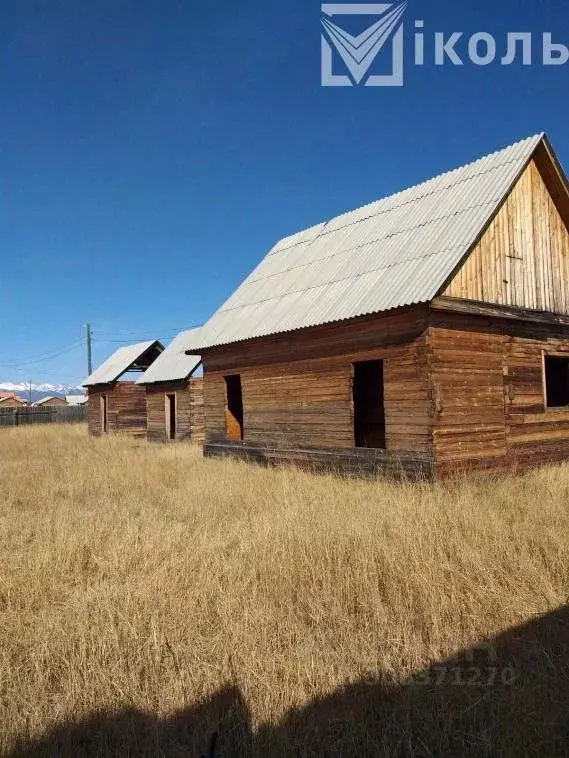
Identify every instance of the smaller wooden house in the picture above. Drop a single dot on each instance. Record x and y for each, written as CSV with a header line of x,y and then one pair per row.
x,y
11,400
50,401
174,395
116,405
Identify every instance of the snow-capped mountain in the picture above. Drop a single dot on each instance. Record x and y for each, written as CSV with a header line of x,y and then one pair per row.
x,y
52,389
40,391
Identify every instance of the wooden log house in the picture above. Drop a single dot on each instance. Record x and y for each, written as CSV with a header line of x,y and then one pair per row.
x,y
425,334
174,395
50,401
10,400
117,405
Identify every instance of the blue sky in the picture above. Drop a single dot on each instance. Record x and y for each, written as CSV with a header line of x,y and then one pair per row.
x,y
151,152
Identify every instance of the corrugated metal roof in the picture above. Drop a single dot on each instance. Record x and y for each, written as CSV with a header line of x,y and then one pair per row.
x,y
119,362
395,252
173,364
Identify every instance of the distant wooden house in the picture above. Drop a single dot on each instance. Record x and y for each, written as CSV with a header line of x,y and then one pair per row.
x,y
116,405
174,396
11,400
49,401
426,333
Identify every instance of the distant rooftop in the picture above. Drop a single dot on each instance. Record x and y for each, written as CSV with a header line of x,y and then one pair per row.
x,y
130,358
173,364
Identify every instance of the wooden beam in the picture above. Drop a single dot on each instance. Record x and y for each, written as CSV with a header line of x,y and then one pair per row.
x,y
474,308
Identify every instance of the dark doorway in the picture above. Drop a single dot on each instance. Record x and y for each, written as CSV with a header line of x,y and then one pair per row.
x,y
556,381
369,412
104,414
234,408
171,416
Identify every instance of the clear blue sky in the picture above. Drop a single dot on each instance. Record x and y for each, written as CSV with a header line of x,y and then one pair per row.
x,y
153,150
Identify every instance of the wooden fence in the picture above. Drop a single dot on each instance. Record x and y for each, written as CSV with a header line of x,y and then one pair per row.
x,y
70,414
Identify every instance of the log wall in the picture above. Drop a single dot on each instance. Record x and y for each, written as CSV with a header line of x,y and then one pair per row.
x,y
126,408
466,369
535,434
297,388
463,392
189,410
196,410
488,389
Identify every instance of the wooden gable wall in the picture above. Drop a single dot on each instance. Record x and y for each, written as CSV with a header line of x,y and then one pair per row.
x,y
523,258
189,410
126,408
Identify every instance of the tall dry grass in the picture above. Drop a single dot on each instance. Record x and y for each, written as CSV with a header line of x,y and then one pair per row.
x,y
143,578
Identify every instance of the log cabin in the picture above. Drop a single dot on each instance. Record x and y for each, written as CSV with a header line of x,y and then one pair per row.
x,y
423,335
11,400
174,395
115,404
50,401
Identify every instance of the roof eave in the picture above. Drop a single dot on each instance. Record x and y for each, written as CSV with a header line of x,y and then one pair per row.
x,y
361,317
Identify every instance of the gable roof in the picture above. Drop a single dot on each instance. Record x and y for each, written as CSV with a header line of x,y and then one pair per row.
x,y
173,364
47,399
5,396
121,361
395,252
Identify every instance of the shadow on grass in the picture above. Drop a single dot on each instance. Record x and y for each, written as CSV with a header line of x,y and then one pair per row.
x,y
509,697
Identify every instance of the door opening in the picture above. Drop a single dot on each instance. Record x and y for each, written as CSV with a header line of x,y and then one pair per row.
x,y
171,416
104,414
556,381
369,410
234,408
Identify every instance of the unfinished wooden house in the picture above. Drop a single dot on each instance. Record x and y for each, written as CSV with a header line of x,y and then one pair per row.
x,y
426,333
115,404
174,395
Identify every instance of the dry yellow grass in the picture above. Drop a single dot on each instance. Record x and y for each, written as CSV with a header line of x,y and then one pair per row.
x,y
150,599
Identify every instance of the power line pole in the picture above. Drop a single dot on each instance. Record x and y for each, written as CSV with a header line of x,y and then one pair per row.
x,y
30,392
89,354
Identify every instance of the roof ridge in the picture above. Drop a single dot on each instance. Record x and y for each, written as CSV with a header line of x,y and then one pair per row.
x,y
116,364
173,364
434,179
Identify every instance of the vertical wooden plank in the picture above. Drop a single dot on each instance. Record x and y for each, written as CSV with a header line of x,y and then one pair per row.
x,y
522,260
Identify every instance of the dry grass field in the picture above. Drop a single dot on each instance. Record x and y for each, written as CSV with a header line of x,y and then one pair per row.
x,y
152,603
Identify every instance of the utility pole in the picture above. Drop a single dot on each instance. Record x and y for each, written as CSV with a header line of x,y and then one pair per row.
x,y
30,391
89,355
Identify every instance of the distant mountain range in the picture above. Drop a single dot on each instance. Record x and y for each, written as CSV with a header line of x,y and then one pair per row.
x,y
40,391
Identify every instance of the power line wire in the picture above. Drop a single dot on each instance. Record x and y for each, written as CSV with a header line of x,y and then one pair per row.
x,y
45,357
